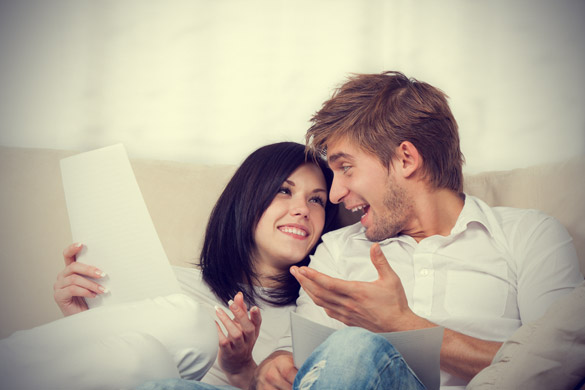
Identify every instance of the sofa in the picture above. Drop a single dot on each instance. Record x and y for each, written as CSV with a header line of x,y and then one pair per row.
x,y
179,196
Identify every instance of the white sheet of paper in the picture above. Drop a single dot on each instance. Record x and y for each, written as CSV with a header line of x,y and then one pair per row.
x,y
420,348
108,215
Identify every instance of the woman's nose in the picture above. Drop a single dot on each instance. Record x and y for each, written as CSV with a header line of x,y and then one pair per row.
x,y
300,208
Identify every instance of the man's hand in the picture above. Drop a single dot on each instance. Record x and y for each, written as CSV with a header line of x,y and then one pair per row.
x,y
378,306
276,372
381,306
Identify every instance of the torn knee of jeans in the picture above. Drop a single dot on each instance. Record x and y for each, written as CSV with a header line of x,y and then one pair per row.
x,y
312,375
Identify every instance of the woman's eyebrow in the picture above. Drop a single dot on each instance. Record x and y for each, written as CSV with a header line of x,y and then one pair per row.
x,y
292,184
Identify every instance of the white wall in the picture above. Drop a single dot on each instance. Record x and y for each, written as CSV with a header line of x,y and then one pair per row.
x,y
209,81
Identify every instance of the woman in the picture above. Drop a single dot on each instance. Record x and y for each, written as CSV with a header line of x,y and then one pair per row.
x,y
269,217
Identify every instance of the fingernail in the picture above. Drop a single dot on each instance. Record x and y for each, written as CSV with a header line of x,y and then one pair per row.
x,y
103,289
77,244
100,273
303,271
216,308
254,309
293,270
230,302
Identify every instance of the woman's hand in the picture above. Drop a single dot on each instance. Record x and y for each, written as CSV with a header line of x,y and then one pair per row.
x,y
235,348
72,284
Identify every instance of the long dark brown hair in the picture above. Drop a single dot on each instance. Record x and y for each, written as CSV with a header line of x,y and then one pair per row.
x,y
226,257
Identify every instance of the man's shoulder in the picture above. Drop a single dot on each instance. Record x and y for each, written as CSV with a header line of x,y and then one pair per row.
x,y
513,225
507,215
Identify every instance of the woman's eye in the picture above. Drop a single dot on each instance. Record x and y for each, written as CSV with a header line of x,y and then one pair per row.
x,y
318,200
284,190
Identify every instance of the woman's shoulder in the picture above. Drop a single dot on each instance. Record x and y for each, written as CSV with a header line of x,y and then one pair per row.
x,y
192,284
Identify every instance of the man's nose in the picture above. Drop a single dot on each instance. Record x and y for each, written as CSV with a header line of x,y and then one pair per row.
x,y
337,191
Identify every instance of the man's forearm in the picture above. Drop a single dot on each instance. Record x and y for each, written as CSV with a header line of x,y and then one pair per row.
x,y
461,355
465,356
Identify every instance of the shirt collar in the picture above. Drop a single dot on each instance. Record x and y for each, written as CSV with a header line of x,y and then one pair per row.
x,y
472,211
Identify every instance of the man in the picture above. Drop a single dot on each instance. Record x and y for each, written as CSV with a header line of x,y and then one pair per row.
x,y
440,257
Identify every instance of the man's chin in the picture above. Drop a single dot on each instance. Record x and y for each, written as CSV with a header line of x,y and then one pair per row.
x,y
375,235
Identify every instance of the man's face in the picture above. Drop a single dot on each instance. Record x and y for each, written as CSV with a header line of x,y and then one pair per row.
x,y
364,185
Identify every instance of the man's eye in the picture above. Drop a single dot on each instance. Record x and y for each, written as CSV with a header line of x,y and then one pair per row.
x,y
345,168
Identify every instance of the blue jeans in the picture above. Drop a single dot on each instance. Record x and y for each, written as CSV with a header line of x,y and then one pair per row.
x,y
351,358
354,358
181,384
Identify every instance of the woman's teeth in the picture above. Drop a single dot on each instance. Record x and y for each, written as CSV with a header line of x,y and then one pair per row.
x,y
298,232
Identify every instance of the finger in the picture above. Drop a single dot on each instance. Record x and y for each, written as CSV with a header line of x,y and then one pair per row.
x,y
239,300
277,379
287,370
380,262
316,279
90,271
321,284
223,340
312,289
256,318
80,281
70,252
241,316
333,302
65,294
233,331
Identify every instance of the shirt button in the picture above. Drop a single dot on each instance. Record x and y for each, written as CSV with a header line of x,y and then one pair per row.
x,y
424,272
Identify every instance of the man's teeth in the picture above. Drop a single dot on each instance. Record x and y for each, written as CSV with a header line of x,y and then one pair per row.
x,y
298,232
358,208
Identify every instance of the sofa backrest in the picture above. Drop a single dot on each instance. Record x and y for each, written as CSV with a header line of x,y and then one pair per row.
x,y
35,226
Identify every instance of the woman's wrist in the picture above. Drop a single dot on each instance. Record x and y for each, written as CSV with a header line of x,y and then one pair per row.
x,y
242,377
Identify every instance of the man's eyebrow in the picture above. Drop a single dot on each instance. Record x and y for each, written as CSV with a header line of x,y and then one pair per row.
x,y
334,157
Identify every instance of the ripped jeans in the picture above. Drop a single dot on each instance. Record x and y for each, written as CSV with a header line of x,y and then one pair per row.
x,y
351,359
354,358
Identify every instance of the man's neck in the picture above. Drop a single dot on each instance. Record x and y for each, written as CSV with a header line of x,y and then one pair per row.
x,y
435,213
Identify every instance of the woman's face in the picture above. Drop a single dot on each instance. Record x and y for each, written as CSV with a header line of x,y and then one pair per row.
x,y
291,226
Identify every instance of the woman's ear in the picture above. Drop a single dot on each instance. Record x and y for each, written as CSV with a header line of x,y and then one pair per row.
x,y
408,159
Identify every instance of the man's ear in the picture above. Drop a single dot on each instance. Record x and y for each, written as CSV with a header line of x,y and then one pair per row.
x,y
408,159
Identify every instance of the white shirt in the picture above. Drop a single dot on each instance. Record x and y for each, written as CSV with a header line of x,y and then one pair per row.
x,y
499,267
275,319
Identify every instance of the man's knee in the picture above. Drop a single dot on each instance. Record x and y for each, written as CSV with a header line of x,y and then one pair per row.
x,y
358,359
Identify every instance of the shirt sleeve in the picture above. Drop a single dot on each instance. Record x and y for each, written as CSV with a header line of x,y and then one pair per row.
x,y
548,264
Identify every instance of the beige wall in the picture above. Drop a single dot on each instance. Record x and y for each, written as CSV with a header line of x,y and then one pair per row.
x,y
209,81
